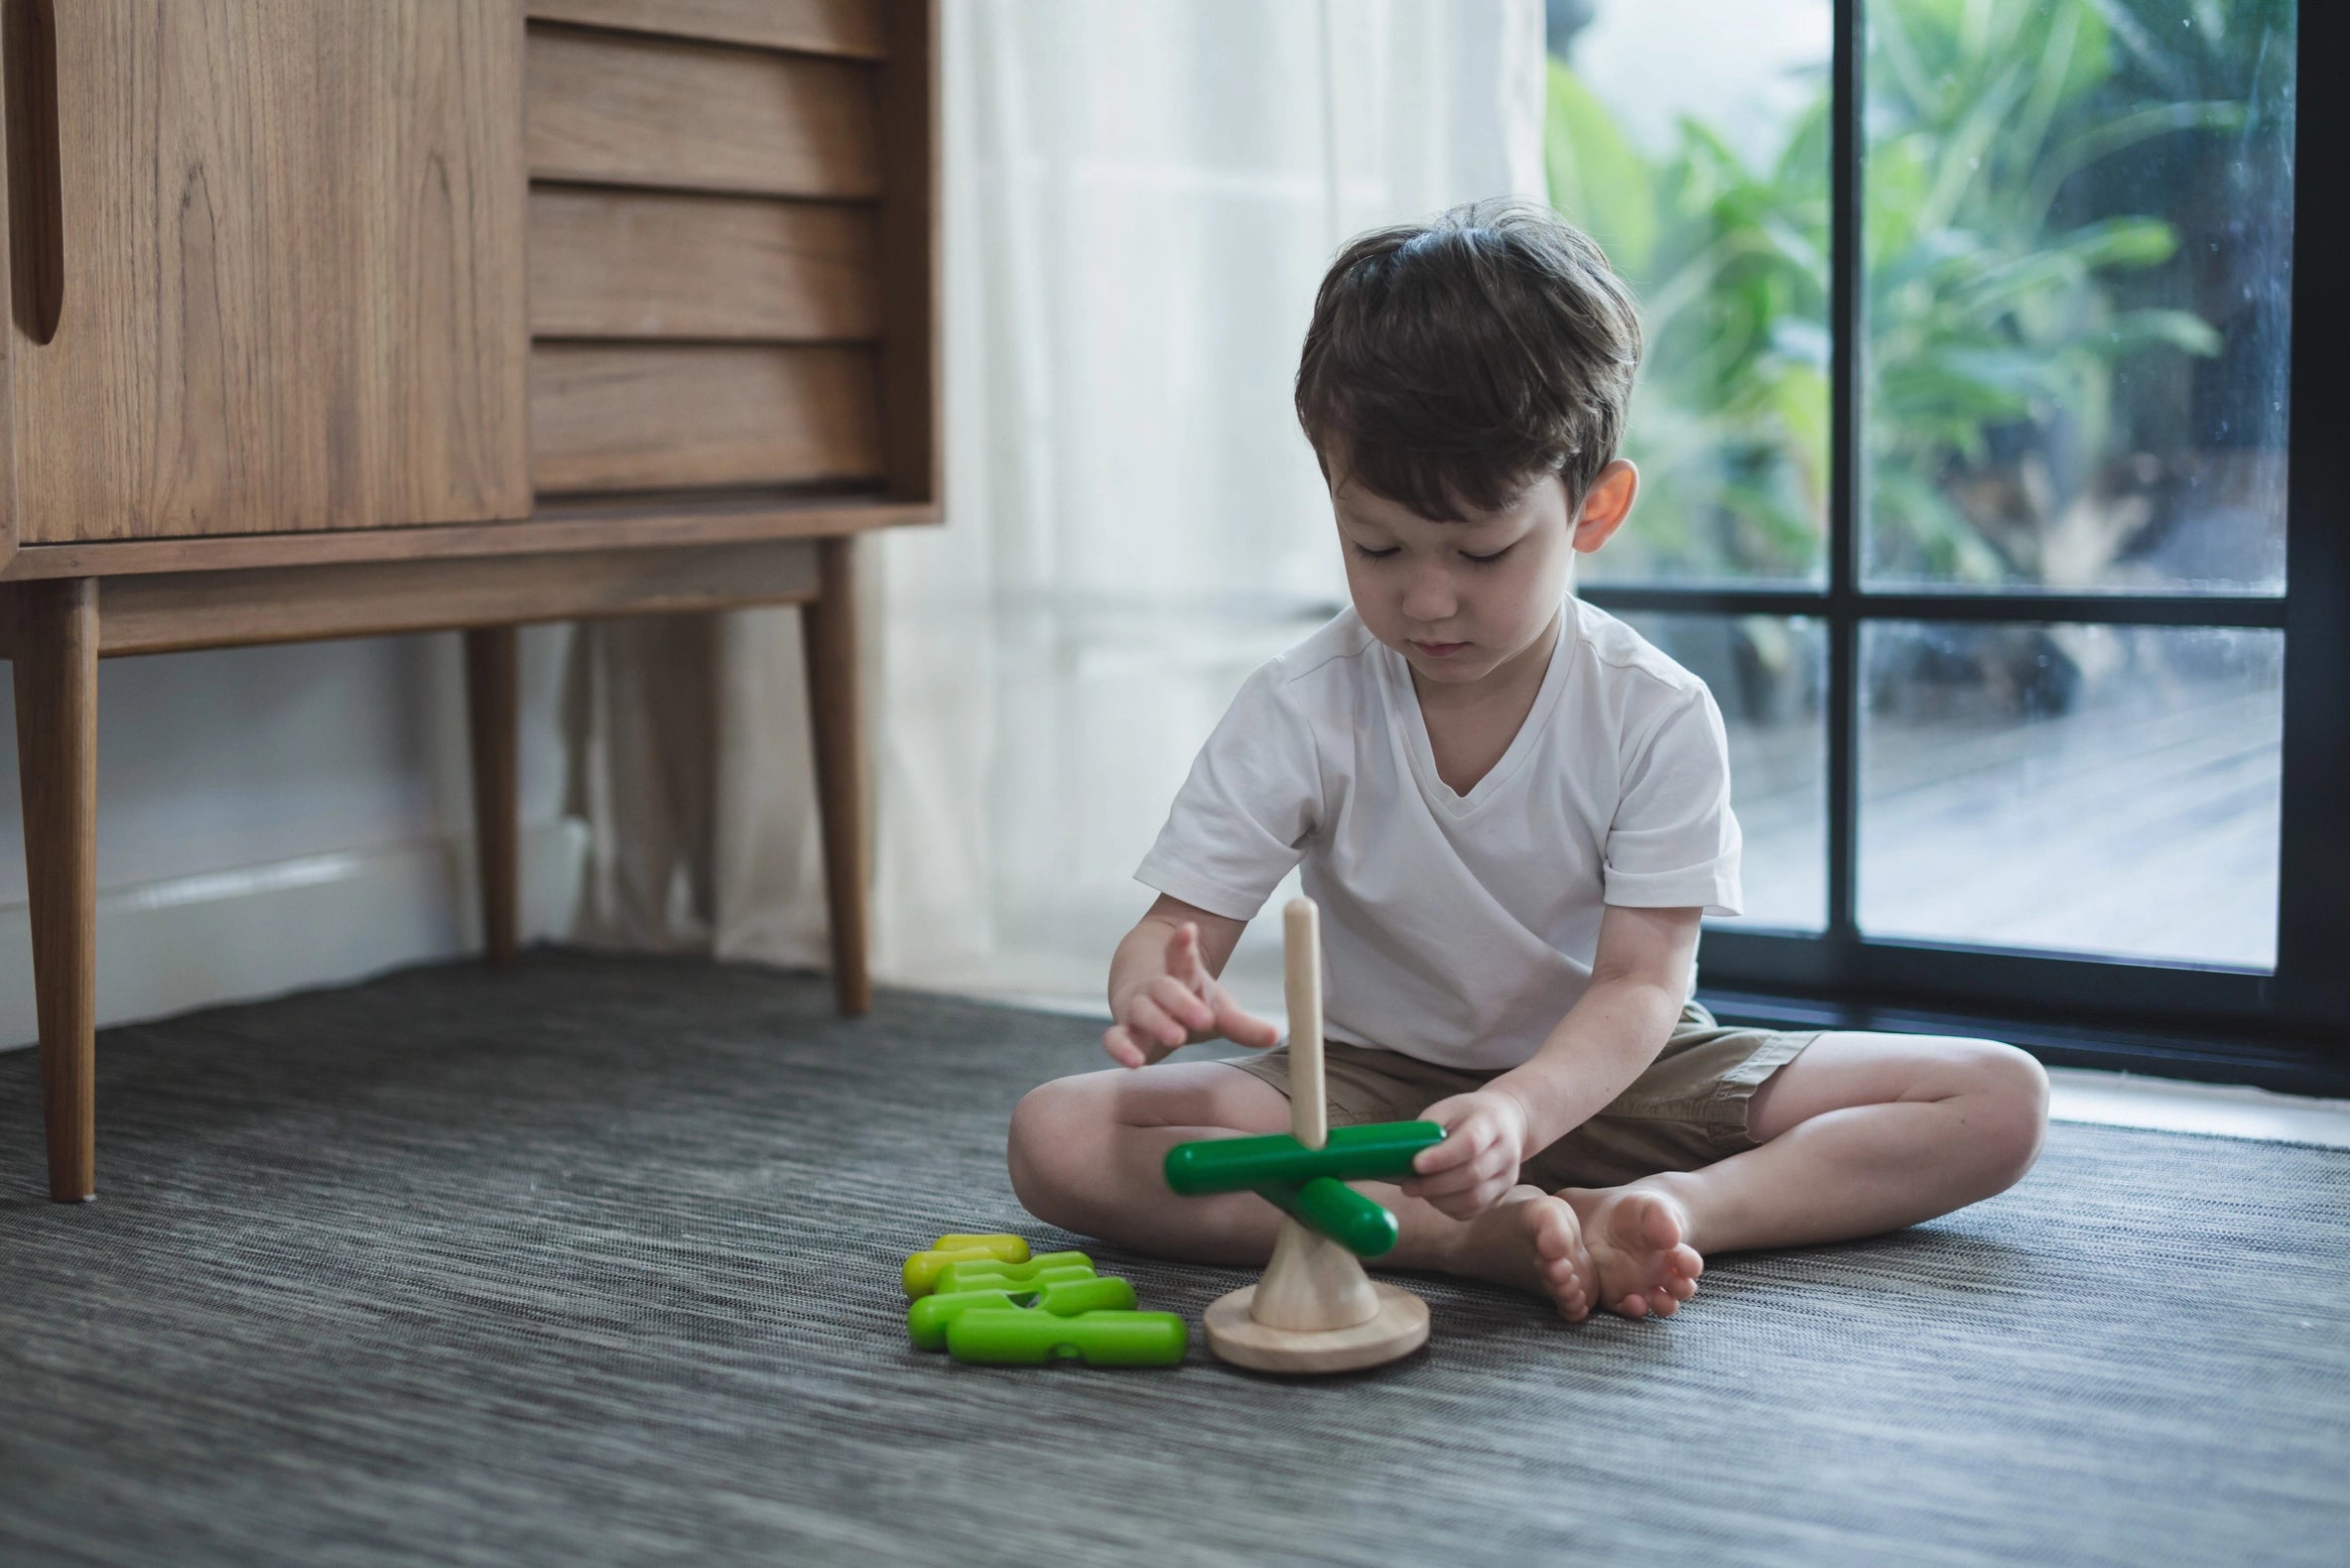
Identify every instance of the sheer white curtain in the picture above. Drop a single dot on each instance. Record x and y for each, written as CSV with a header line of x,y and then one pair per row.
x,y
1139,199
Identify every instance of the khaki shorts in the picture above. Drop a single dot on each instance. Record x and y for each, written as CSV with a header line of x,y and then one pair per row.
x,y
1688,1109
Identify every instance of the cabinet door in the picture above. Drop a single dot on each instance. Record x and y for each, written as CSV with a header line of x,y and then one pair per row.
x,y
286,240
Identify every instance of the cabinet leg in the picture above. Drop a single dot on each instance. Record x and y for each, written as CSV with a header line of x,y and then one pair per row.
x,y
57,741
492,714
828,626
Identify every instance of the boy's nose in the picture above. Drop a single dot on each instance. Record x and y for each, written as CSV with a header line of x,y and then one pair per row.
x,y
1429,596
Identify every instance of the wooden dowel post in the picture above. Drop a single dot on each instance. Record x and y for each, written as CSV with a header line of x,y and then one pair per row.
x,y
1301,959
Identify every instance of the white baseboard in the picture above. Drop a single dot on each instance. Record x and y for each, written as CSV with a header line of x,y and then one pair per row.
x,y
265,930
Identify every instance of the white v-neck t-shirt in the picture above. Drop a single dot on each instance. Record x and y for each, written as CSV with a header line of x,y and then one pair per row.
x,y
1459,929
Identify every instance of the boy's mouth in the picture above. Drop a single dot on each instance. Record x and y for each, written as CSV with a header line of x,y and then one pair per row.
x,y
1438,650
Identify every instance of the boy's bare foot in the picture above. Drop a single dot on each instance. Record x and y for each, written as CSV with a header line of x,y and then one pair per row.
x,y
1634,1236
1531,1242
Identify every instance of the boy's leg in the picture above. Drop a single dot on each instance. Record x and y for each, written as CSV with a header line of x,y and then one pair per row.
x,y
1861,1133
1088,1153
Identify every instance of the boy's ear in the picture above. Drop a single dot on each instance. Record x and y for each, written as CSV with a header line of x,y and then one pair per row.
x,y
1605,505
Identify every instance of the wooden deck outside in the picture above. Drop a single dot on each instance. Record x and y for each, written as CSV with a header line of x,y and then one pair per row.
x,y
2141,827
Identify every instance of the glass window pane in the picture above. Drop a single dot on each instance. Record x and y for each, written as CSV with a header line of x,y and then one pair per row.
x,y
2078,239
1768,676
1690,139
2110,790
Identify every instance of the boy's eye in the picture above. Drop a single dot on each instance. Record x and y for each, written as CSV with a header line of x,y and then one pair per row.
x,y
1369,554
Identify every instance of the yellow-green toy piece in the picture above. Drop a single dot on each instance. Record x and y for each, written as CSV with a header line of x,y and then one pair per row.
x,y
988,1273
926,1319
921,1269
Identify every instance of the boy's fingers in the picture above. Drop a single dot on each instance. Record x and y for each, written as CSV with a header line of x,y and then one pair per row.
x,y
1469,1199
1181,1003
1145,1017
1443,1157
1459,1147
1121,1047
1242,1027
1445,1183
1183,949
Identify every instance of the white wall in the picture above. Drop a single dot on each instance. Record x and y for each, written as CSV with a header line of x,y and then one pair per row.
x,y
273,819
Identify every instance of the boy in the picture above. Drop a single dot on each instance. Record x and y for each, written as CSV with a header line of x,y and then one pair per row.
x,y
1513,813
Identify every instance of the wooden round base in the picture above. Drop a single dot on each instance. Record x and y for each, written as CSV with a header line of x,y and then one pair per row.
x,y
1400,1328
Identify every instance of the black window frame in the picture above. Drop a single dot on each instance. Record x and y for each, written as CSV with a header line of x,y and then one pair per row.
x,y
2287,1029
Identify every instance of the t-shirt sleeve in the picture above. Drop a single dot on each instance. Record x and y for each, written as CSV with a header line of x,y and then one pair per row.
x,y
1674,842
1241,818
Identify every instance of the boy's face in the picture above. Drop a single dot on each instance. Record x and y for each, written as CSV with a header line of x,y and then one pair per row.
x,y
1461,599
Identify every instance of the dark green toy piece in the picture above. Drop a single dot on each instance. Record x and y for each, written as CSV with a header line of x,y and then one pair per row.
x,y
1024,1337
988,1273
1328,1204
1378,1149
928,1320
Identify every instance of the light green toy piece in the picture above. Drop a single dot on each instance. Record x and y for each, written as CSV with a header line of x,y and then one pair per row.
x,y
926,1319
987,1273
1024,1337
921,1269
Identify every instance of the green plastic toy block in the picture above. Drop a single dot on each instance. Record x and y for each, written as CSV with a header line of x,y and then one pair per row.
x,y
1378,1149
928,1320
1328,1204
987,1273
1024,1337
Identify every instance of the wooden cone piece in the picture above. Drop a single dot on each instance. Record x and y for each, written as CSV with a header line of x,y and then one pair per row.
x,y
1315,1310
1312,1284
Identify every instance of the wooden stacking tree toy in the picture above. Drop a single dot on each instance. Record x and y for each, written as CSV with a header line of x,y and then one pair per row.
x,y
1316,1310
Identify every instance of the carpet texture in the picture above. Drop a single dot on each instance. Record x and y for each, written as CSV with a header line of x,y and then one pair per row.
x,y
596,1263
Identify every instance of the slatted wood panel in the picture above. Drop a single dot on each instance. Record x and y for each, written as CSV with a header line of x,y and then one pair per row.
x,y
635,264
818,27
644,111
292,272
639,416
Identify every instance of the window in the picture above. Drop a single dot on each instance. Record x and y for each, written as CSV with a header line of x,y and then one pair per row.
x,y
1976,485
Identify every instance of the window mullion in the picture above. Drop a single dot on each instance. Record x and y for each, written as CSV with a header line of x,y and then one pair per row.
x,y
1847,321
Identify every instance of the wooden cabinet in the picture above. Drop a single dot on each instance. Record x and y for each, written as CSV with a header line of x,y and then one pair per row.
x,y
338,319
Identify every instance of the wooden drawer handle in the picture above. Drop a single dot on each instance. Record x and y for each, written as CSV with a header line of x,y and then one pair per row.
x,y
36,215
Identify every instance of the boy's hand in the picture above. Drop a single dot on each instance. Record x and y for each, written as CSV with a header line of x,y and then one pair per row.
x,y
1485,1144
1183,1006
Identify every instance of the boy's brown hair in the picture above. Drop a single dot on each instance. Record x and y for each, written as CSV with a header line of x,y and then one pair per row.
x,y
1450,362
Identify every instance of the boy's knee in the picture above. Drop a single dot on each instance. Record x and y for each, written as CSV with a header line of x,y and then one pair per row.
x,y
1045,1149
2012,1090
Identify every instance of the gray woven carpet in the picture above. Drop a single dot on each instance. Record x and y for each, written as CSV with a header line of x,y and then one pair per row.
x,y
597,1263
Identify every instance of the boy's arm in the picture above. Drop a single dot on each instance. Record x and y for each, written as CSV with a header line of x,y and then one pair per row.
x,y
1639,979
1163,990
